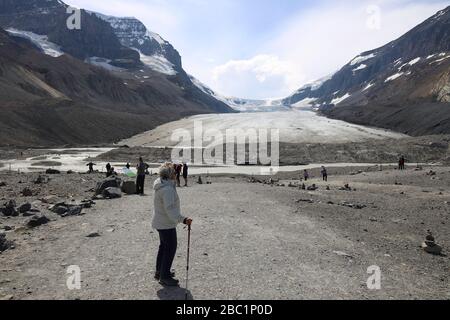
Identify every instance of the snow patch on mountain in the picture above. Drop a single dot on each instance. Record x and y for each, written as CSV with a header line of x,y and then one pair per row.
x,y
41,41
368,86
158,63
306,103
340,99
360,59
103,63
360,67
393,77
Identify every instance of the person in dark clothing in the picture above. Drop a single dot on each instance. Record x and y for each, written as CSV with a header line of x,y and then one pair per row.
x,y
128,166
185,174
142,167
305,175
324,174
178,169
108,170
401,163
91,167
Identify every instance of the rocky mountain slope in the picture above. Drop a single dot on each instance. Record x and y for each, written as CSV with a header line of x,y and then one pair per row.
x,y
404,85
89,81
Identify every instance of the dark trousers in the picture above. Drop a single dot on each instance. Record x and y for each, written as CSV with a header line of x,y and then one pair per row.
x,y
325,178
167,251
140,182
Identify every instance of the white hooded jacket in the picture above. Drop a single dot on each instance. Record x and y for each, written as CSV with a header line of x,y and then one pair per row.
x,y
167,213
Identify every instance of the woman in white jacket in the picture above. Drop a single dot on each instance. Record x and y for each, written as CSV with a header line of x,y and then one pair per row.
x,y
167,215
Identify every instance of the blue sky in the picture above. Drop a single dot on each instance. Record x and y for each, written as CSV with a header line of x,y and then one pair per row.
x,y
269,48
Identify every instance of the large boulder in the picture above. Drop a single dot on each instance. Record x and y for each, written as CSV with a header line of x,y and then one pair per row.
x,y
111,182
9,209
112,193
129,187
64,210
37,220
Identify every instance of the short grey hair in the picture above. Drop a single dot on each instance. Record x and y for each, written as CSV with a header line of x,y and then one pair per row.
x,y
166,171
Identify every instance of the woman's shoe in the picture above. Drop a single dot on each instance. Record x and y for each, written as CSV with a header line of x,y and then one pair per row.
x,y
169,282
158,275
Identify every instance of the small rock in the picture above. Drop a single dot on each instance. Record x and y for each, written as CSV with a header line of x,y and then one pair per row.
x,y
430,245
2,184
5,244
9,209
87,203
26,192
93,235
306,200
37,220
60,209
49,199
41,180
52,171
342,254
25,207
74,211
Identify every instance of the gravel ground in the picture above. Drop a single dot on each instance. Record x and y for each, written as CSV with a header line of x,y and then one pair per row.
x,y
249,240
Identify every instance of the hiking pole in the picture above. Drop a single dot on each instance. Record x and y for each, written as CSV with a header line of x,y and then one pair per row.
x,y
187,263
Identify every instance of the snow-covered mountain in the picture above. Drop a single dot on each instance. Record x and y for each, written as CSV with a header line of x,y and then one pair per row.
x,y
404,85
375,76
154,51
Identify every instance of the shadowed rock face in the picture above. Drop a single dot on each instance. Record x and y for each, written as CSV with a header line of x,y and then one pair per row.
x,y
96,37
60,99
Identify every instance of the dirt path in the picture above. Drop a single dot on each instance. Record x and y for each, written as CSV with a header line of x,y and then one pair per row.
x,y
249,241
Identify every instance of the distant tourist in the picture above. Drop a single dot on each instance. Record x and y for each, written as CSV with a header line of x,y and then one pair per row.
x,y
305,175
142,168
91,167
128,166
401,163
108,170
324,173
167,215
178,169
185,174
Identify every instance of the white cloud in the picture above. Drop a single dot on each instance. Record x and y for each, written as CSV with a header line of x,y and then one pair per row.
x,y
237,76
